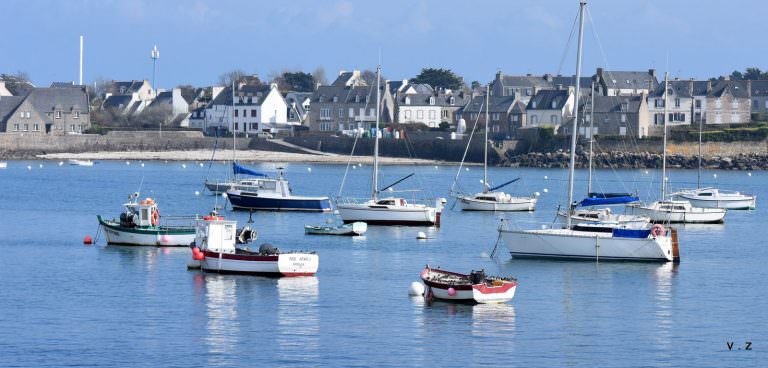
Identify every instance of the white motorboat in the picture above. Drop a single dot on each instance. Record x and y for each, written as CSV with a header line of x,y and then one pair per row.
x,y
718,198
490,199
140,224
474,288
656,245
272,194
216,250
679,212
390,210
74,162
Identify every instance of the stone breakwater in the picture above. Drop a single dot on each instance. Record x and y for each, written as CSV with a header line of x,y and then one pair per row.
x,y
636,160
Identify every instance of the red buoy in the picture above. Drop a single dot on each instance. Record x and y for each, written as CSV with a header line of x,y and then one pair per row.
x,y
87,240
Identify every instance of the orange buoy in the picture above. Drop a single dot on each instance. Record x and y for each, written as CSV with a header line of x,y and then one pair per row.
x,y
88,240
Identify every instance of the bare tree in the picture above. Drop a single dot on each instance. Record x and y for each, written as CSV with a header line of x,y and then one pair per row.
x,y
369,76
319,76
227,78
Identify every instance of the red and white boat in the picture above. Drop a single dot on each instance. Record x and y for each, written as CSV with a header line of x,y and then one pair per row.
x,y
475,287
217,250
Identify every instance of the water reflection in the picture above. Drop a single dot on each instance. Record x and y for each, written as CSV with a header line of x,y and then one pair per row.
x,y
664,296
222,327
298,320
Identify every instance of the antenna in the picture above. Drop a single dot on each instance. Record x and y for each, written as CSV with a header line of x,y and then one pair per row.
x,y
81,61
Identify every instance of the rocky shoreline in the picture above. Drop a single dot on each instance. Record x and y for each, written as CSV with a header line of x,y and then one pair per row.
x,y
636,160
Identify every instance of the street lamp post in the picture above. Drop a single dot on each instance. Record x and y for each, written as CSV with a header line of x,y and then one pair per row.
x,y
155,55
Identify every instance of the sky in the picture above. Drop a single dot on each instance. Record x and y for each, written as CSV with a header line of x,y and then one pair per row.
x,y
199,40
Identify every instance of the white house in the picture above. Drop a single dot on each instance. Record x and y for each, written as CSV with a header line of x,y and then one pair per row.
x,y
417,104
129,97
260,109
550,108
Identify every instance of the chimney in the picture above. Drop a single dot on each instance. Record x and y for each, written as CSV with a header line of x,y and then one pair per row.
x,y
499,74
558,87
599,73
709,86
652,72
726,77
548,77
749,87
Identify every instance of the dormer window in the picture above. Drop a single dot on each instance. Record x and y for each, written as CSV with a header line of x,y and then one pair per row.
x,y
58,114
76,114
624,106
533,104
432,100
367,99
122,89
554,104
407,100
357,98
335,98
451,100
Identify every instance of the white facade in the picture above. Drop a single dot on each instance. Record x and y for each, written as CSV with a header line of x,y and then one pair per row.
x,y
428,114
256,114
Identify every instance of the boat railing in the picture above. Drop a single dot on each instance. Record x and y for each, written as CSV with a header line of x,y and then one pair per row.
x,y
362,200
178,221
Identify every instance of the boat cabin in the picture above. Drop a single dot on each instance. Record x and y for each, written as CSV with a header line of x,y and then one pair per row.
x,y
215,234
673,206
391,202
277,186
143,213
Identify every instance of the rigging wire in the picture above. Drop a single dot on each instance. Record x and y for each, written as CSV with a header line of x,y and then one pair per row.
x,y
466,149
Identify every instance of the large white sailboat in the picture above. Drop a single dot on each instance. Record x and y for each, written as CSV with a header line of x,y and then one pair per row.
x,y
655,244
675,211
387,210
490,199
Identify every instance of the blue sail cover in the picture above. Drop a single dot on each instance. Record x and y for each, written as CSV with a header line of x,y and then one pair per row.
x,y
587,202
245,171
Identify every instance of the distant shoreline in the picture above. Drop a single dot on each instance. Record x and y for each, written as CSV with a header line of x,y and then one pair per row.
x,y
242,155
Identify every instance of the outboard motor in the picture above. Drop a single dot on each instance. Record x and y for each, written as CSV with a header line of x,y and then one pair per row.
x,y
477,277
246,235
126,220
267,248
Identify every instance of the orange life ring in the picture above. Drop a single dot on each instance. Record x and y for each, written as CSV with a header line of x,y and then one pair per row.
x,y
657,230
155,217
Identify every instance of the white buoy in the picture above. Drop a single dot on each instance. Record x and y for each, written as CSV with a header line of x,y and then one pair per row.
x,y
309,169
484,255
666,178
224,195
421,235
466,168
536,194
416,289
29,167
197,192
543,227
646,172
183,166
749,174
545,190
61,163
127,162
390,189
435,167
201,164
41,166
354,167
546,177
714,176
481,181
142,164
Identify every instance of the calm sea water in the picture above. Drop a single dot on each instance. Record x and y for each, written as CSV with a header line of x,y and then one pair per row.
x,y
65,304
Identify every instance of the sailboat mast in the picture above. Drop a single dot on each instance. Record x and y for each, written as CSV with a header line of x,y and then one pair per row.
x,y
572,164
375,181
698,177
664,149
485,143
234,131
591,132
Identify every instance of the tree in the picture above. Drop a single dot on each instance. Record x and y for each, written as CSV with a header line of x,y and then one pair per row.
x,y
475,85
18,83
369,76
439,78
227,78
298,81
319,76
736,75
753,74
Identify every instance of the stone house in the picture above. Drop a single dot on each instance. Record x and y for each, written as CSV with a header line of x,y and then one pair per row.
x,y
723,101
349,103
679,100
506,114
524,87
55,111
614,116
298,106
550,108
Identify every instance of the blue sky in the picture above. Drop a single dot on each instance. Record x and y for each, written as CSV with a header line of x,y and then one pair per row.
x,y
200,39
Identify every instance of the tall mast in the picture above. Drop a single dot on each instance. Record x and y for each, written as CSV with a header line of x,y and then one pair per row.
x,y
375,181
234,131
572,165
591,132
664,153
698,177
485,143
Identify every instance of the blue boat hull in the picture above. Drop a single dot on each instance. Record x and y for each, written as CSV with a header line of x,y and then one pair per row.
x,y
248,202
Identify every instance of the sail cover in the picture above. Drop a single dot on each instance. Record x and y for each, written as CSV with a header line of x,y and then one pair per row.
x,y
245,171
602,201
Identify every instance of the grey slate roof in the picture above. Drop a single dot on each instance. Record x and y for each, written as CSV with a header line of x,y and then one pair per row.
x,y
544,99
737,89
114,102
64,85
67,99
612,104
257,93
125,87
224,97
525,81
342,79
345,94
570,81
497,104
165,97
8,105
681,88
630,79
759,88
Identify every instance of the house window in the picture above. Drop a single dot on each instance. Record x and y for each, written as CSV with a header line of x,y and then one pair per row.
x,y
533,104
26,127
407,114
237,113
341,112
452,101
29,114
444,113
622,130
372,112
496,116
236,126
431,100
515,118
21,114
554,104
254,126
407,100
36,127
335,99
623,118
15,127
527,91
72,127
325,113
698,104
351,112
534,119
659,102
420,114
677,102
553,119
766,104
357,98
76,115
58,115
432,114
245,112
253,113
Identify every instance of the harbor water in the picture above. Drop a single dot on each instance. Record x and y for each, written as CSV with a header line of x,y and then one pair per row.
x,y
66,304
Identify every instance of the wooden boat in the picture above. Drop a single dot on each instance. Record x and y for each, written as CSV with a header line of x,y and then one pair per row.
x,y
352,229
140,224
476,287
216,250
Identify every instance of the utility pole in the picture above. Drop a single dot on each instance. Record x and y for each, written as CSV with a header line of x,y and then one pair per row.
x,y
80,81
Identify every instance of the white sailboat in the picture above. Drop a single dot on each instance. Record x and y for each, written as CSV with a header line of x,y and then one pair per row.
x,y
490,199
619,244
675,211
714,197
387,210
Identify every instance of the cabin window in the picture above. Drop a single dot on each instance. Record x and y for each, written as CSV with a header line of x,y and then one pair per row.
x,y
680,208
144,213
705,194
228,232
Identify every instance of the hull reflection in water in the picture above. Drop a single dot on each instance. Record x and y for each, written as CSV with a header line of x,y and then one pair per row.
x,y
298,320
223,327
